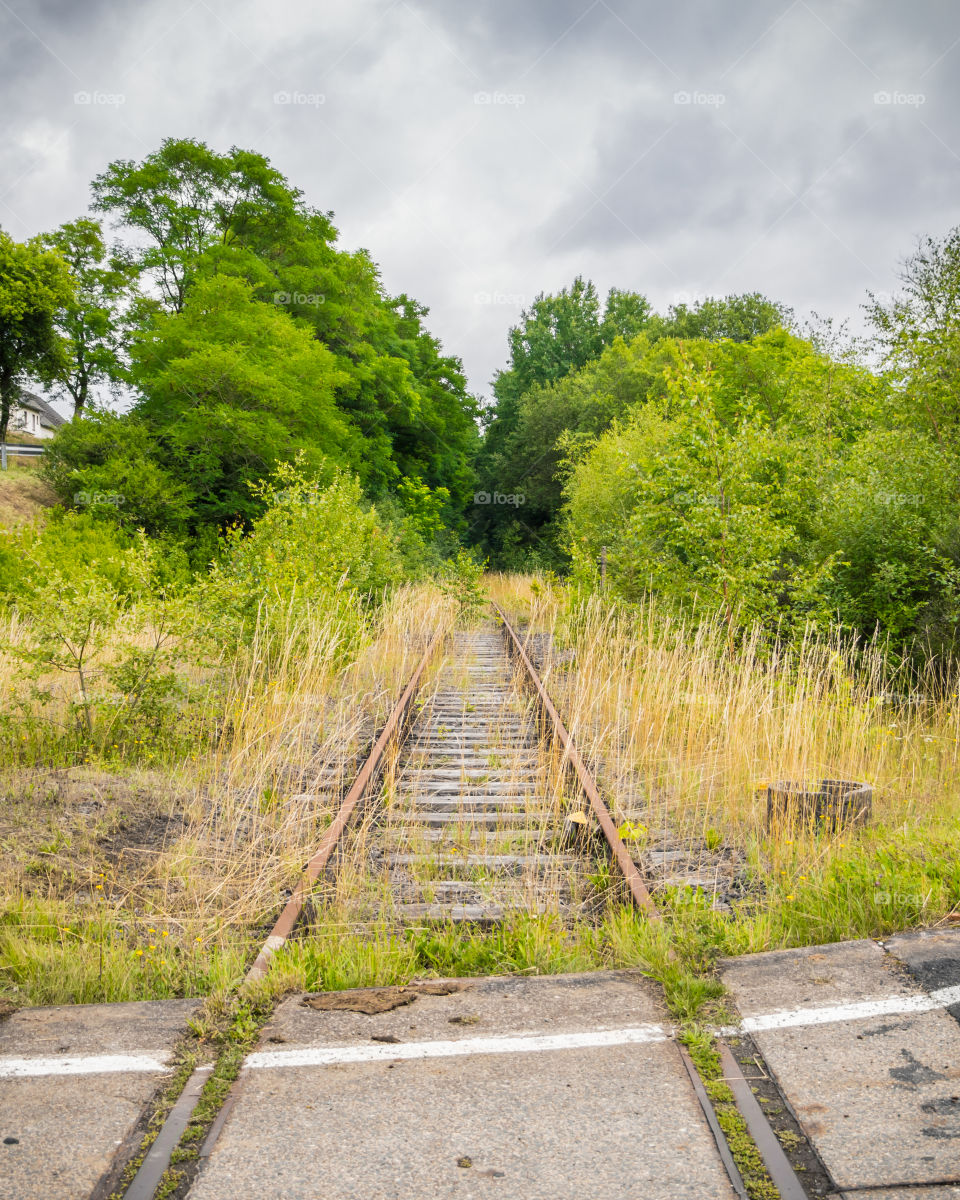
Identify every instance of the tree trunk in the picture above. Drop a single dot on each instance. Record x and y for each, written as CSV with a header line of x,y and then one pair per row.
x,y
8,393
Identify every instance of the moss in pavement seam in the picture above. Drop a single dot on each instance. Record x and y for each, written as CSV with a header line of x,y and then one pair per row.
x,y
749,1162
234,1033
185,1060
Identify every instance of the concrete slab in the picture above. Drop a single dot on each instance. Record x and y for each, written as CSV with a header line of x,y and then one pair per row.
x,y
73,1085
506,1088
932,957
875,1086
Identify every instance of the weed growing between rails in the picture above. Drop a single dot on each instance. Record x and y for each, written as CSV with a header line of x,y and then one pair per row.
x,y
469,818
686,736
104,908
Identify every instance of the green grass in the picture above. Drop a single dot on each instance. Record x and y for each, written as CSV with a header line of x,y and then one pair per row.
x,y
51,955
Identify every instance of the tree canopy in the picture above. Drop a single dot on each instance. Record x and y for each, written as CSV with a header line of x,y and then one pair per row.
x,y
35,283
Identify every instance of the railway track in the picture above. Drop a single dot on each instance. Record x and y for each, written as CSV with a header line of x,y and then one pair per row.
x,y
477,801
461,813
471,826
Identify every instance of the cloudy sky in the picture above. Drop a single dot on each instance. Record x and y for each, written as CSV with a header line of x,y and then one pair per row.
x,y
484,152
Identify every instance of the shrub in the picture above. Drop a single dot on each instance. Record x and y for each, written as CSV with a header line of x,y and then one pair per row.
x,y
318,545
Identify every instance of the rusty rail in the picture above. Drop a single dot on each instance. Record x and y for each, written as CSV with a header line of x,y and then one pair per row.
x,y
631,873
287,920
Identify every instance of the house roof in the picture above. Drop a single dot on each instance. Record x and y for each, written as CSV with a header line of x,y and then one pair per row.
x,y
48,415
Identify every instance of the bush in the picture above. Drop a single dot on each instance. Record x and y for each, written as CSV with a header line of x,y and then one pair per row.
x,y
113,464
99,642
318,545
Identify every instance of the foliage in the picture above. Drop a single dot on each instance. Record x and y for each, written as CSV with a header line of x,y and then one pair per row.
x,y
462,577
113,465
34,284
231,387
753,479
919,334
109,622
739,318
90,322
557,336
318,545
185,198
208,216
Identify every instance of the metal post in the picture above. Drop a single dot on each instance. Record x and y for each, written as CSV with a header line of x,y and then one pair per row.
x,y
603,566
3,456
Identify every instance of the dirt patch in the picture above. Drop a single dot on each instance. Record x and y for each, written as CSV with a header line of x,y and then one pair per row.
x,y
144,834
23,496
377,1000
59,829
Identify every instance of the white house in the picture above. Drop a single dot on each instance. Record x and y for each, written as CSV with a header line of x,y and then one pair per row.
x,y
33,415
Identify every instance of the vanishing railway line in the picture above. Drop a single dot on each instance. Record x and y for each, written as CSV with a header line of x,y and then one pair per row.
x,y
467,809
476,815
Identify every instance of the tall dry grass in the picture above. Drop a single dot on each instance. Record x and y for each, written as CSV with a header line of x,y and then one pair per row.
x,y
686,736
290,717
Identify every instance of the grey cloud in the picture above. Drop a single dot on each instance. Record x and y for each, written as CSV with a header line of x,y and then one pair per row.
x,y
473,205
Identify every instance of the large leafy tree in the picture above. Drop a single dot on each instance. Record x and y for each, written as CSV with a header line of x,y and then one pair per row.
x,y
34,284
204,214
556,337
185,199
232,386
919,333
229,388
91,322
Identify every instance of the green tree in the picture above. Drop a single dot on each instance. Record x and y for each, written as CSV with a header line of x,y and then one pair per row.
x,y
887,516
206,215
186,199
919,334
90,323
230,387
739,318
34,284
714,486
557,336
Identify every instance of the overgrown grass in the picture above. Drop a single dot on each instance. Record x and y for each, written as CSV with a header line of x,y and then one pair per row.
x,y
170,902
683,734
687,737
51,955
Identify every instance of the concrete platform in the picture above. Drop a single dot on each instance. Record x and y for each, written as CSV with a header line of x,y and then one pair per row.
x,y
866,1059
932,956
540,1089
74,1082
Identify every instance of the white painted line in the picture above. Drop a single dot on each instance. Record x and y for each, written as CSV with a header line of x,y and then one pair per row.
x,y
859,1010
93,1064
323,1056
